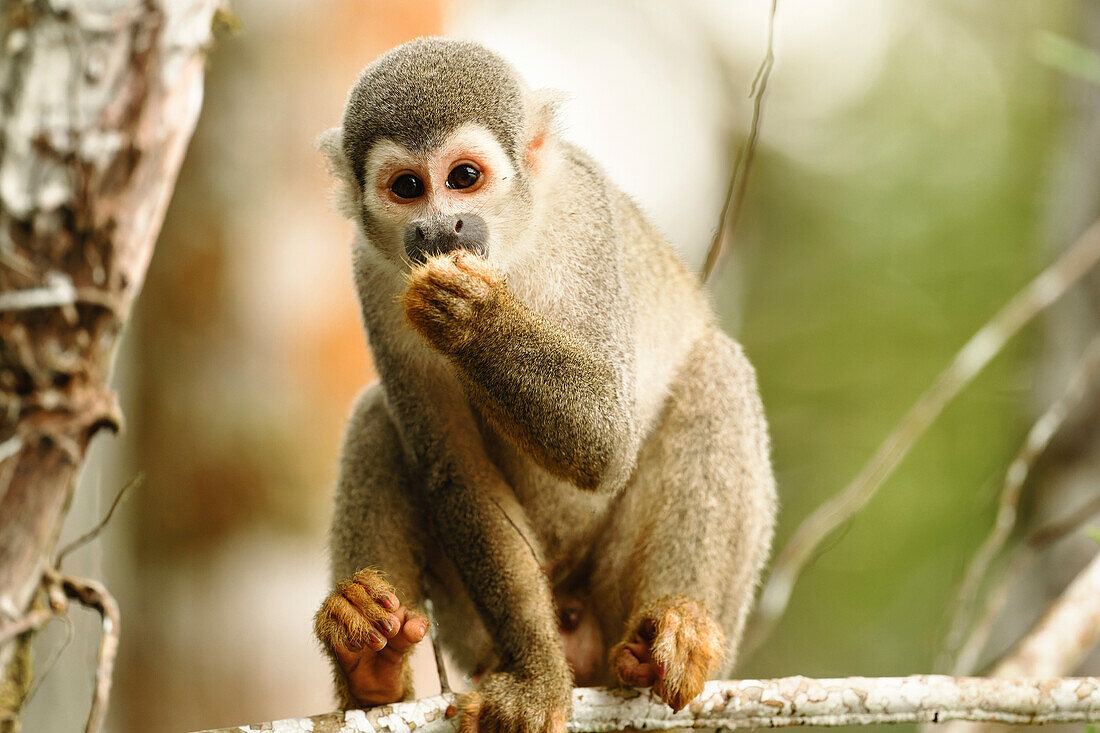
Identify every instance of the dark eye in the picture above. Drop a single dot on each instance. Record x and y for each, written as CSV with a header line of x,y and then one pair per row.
x,y
463,176
407,186
569,618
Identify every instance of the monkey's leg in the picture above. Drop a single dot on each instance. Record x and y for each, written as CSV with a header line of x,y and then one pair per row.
x,y
680,560
367,624
466,502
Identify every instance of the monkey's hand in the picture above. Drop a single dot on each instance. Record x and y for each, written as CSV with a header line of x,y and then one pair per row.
x,y
508,702
447,296
369,634
672,645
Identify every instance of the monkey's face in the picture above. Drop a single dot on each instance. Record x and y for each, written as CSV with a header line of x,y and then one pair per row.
x,y
466,192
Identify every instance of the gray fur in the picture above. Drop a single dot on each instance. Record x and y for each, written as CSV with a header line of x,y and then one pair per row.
x,y
587,417
465,81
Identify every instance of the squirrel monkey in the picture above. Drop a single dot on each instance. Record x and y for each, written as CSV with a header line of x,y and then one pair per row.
x,y
564,452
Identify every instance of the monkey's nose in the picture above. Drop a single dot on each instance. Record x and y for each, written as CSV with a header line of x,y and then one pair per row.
x,y
435,235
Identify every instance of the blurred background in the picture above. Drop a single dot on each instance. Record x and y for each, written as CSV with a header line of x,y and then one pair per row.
x,y
919,162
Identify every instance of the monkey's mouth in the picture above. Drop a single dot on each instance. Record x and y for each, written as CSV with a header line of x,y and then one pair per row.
x,y
438,234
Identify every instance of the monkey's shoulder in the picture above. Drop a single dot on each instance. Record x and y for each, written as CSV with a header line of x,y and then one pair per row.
x,y
619,222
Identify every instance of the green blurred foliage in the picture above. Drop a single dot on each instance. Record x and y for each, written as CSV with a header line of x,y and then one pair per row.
x,y
860,282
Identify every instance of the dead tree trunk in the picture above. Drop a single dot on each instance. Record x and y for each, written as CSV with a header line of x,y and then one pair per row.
x,y
98,99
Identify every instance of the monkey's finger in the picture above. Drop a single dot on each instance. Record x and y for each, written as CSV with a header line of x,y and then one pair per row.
x,y
449,303
375,641
442,274
349,658
340,621
372,581
476,266
463,274
412,632
389,625
634,668
435,304
363,602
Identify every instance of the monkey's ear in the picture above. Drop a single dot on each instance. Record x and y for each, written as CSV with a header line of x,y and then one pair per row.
x,y
541,123
331,144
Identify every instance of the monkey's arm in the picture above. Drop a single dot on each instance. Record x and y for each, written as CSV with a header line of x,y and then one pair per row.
x,y
375,527
481,529
560,399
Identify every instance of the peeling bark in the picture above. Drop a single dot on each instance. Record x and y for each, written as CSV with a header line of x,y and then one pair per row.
x,y
98,99
763,704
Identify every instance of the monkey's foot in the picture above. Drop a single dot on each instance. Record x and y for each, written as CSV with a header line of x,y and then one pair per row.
x,y
509,703
673,646
370,633
446,296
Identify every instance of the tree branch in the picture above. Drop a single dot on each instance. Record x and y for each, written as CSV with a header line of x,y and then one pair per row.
x,y
99,101
94,595
764,704
30,622
1061,640
1038,438
1058,529
739,178
95,531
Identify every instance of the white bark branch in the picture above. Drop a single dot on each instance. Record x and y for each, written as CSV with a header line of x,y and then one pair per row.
x,y
763,704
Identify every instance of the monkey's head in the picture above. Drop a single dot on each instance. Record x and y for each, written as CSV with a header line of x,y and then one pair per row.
x,y
440,148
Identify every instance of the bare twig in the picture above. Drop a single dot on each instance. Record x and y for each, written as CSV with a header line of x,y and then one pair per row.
x,y
966,661
95,531
30,622
437,649
1038,438
43,674
93,594
970,652
765,704
1045,289
735,192
1054,531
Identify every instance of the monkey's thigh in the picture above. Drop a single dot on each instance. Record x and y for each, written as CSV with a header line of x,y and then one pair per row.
x,y
696,519
376,522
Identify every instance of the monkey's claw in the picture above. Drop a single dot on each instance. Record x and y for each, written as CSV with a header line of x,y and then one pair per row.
x,y
446,296
370,633
673,646
508,703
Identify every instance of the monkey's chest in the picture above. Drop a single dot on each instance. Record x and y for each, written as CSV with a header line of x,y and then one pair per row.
x,y
561,516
